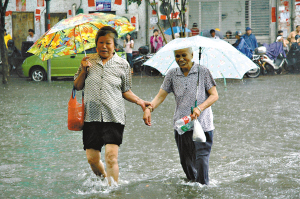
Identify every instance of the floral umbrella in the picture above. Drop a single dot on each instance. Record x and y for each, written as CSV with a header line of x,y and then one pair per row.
x,y
221,58
75,34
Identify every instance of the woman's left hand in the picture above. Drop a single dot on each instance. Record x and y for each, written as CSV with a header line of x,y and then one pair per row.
x,y
143,103
196,113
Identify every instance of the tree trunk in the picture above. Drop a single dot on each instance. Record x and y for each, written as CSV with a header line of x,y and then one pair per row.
x,y
4,57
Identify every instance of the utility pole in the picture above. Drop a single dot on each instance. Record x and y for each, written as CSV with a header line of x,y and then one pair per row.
x,y
48,27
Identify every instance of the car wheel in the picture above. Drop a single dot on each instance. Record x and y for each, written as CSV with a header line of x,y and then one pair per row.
x,y
269,69
38,74
253,73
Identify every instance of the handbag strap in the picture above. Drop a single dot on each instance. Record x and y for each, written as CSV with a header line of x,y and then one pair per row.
x,y
74,93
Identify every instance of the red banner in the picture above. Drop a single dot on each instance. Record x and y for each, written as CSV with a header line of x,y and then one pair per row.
x,y
20,5
273,14
91,3
118,2
40,3
7,13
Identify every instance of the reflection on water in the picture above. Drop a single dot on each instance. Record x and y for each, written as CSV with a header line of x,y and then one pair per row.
x,y
255,152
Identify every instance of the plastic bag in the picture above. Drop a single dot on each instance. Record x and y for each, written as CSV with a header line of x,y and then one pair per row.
x,y
198,133
75,113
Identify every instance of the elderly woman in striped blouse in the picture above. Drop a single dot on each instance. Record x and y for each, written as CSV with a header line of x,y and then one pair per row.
x,y
106,80
182,81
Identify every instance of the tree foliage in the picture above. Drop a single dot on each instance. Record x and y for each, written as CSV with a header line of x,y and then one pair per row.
x,y
181,6
135,1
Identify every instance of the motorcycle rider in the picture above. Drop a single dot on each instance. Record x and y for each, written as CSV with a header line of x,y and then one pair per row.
x,y
242,46
6,37
250,39
13,53
296,45
285,42
292,36
213,35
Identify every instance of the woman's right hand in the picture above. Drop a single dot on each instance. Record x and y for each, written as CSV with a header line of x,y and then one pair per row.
x,y
147,117
85,64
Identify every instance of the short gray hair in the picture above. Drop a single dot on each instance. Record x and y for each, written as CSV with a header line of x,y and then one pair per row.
x,y
189,48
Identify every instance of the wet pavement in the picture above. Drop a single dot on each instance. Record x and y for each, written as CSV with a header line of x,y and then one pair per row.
x,y
255,152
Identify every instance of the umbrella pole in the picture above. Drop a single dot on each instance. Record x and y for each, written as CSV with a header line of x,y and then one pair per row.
x,y
224,81
199,54
81,40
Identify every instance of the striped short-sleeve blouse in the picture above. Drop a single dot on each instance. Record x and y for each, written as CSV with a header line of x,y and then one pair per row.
x,y
185,89
103,89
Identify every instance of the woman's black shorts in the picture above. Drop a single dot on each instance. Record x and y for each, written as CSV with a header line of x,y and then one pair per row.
x,y
97,134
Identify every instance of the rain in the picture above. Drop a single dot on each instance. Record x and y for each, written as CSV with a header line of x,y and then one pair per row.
x,y
255,152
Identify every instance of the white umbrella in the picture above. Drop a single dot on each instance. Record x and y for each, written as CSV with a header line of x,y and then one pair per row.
x,y
221,58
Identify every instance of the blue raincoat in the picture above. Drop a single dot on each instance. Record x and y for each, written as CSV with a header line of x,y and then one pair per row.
x,y
251,41
243,47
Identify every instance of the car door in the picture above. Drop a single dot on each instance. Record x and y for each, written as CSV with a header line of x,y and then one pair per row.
x,y
65,65
68,65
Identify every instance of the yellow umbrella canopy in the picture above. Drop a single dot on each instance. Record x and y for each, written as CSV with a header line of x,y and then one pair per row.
x,y
75,34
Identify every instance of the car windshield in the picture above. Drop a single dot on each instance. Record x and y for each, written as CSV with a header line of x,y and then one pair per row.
x,y
89,51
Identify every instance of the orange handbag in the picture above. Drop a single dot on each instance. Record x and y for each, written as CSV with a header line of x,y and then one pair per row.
x,y
75,112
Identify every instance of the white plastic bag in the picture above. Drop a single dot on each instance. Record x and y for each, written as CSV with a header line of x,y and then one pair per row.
x,y
198,134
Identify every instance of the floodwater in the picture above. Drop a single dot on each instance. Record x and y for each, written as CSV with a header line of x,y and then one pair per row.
x,y
256,150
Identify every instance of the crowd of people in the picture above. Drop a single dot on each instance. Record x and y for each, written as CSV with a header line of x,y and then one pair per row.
x,y
246,43
31,36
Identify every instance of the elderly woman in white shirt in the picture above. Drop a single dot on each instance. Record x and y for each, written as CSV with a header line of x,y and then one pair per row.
x,y
182,82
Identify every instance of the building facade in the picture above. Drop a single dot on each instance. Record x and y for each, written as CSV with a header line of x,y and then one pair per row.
x,y
22,15
265,17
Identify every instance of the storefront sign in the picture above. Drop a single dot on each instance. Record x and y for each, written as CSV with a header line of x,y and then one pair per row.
x,y
103,5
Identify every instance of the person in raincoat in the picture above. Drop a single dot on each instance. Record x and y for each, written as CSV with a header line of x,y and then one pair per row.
x,y
6,37
242,46
195,30
250,39
182,81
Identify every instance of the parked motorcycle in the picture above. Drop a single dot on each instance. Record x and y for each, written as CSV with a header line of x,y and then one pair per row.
x,y
293,59
274,59
140,59
15,57
14,60
256,58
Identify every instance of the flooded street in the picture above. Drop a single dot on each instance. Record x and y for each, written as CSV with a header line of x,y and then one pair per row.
x,y
256,150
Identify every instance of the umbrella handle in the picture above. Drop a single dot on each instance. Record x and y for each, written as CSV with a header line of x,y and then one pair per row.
x,y
81,40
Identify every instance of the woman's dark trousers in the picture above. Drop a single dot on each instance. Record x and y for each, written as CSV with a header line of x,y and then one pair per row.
x,y
194,156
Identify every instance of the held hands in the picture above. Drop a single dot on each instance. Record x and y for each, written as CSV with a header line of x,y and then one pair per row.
x,y
85,64
147,108
147,116
143,103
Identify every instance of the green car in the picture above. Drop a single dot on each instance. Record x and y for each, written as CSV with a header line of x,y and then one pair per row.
x,y
64,66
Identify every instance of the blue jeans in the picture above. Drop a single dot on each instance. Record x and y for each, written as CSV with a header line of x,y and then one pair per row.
x,y
194,156
129,59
